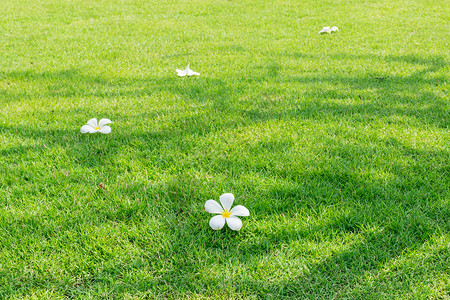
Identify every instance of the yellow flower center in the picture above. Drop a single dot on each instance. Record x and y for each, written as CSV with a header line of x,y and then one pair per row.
x,y
226,214
97,128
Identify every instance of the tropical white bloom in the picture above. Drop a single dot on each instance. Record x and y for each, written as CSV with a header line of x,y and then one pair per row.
x,y
93,127
226,213
328,30
187,72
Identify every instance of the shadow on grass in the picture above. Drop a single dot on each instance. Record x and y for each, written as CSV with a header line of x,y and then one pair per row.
x,y
418,95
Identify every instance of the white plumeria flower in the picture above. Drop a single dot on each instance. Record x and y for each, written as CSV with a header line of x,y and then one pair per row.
x,y
328,30
93,127
226,213
187,72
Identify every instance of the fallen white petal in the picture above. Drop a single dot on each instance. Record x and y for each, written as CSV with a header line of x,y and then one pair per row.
x,y
105,129
240,210
325,30
87,128
227,200
334,28
234,223
182,73
103,122
213,207
217,222
187,72
190,72
92,122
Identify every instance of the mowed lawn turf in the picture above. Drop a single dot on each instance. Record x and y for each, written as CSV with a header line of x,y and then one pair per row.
x,y
337,144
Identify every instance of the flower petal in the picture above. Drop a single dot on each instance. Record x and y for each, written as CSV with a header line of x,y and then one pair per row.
x,y
325,30
182,72
92,122
217,222
190,73
85,128
227,200
105,129
103,122
213,207
240,210
88,128
234,223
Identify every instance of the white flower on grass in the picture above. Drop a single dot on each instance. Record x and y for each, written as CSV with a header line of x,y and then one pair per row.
x,y
226,213
328,30
187,72
93,127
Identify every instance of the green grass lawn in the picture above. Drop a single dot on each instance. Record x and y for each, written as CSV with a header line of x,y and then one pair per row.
x,y
337,144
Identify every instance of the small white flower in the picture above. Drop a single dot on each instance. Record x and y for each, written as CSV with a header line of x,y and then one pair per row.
x,y
226,213
93,127
328,30
187,72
